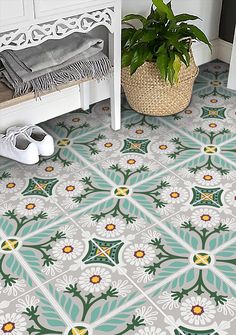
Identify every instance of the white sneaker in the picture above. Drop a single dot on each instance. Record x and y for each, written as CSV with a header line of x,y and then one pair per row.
x,y
16,146
38,136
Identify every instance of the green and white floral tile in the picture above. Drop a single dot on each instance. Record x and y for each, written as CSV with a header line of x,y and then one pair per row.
x,y
34,314
62,154
228,152
79,122
13,182
76,190
28,213
212,80
15,280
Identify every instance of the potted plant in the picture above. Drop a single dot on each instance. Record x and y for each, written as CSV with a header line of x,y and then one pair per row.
x,y
158,69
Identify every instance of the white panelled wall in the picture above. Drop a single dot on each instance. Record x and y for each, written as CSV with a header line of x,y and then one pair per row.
x,y
208,10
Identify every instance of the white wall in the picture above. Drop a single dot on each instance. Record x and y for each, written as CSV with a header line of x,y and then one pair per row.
x,y
208,10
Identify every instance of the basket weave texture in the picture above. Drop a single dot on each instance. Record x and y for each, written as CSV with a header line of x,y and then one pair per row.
x,y
147,93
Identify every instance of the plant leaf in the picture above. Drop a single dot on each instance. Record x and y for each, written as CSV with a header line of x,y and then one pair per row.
x,y
163,8
140,56
127,58
130,17
185,17
162,61
199,34
177,67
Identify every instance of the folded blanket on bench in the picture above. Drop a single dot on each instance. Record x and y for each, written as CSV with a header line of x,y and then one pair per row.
x,y
54,62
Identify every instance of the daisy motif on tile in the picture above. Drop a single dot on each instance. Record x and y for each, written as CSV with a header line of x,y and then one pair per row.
x,y
94,279
65,281
205,218
52,269
150,331
67,249
70,188
30,207
230,198
11,185
139,254
163,147
110,227
175,195
49,169
229,307
123,287
15,287
108,145
69,231
12,324
213,126
131,162
26,303
208,177
139,131
147,314
197,311
167,302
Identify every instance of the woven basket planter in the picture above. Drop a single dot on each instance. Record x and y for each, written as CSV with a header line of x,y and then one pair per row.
x,y
147,93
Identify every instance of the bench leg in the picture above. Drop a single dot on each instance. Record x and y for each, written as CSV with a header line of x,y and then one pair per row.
x,y
84,95
115,56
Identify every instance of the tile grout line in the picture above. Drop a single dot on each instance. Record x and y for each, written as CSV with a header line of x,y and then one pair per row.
x,y
148,292
57,307
50,130
67,216
60,310
224,245
180,131
226,159
167,230
142,292
166,169
227,141
221,275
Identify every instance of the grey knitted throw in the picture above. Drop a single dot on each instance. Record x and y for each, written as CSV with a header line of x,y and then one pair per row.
x,y
54,62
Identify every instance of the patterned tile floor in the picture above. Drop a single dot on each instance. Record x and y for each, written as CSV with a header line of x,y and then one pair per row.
x,y
128,232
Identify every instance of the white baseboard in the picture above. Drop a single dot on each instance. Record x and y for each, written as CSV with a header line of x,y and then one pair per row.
x,y
221,50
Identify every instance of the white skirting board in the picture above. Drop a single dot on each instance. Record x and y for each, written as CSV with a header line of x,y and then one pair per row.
x,y
52,105
221,50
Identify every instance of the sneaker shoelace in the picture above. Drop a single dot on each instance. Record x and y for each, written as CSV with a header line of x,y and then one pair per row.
x,y
12,134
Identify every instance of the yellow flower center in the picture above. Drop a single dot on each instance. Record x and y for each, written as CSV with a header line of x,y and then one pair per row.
x,y
67,249
108,145
212,125
214,101
163,147
8,327
139,131
206,217
70,188
197,310
10,185
110,227
131,161
30,206
174,195
139,254
95,279
76,119
208,177
49,169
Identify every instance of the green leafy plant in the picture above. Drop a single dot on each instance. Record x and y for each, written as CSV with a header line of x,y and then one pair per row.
x,y
163,38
